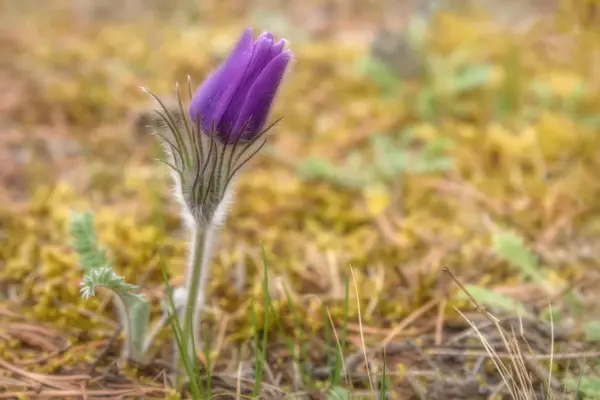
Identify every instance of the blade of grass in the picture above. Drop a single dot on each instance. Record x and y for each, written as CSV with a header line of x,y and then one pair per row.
x,y
383,383
288,341
549,393
500,366
257,363
339,355
578,394
207,348
362,333
178,335
306,378
329,349
267,306
194,362
515,375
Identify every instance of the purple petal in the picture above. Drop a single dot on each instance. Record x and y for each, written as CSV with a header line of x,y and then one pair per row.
x,y
259,60
211,99
266,35
205,98
260,97
277,48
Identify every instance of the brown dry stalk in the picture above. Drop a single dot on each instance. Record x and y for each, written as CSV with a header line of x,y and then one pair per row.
x,y
409,320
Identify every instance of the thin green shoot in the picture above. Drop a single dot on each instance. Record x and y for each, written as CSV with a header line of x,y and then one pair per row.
x,y
207,349
383,382
257,356
267,306
339,359
301,338
288,341
330,349
178,336
362,334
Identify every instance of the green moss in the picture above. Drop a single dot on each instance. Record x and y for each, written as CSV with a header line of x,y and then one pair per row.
x,y
527,166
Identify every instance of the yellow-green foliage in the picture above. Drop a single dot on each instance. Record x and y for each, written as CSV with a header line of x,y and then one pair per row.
x,y
525,169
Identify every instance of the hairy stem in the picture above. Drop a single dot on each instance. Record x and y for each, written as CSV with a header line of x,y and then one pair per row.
x,y
121,310
197,275
193,283
189,314
209,243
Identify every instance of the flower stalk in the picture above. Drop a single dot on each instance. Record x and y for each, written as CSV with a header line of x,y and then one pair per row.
x,y
197,273
207,146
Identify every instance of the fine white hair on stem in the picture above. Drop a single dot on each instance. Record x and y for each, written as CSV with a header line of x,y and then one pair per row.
x,y
210,243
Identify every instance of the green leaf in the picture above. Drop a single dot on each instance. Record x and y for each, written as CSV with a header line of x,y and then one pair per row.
x,y
592,331
384,76
139,319
106,277
574,99
426,104
338,393
592,121
391,157
314,167
543,93
491,299
511,248
588,385
510,95
471,78
84,241
133,308
431,158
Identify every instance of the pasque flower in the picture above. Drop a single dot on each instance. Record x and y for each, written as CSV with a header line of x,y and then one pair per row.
x,y
225,125
235,100
223,128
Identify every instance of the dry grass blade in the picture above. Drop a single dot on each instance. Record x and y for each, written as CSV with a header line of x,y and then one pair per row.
x,y
54,381
409,320
551,352
498,363
515,375
482,138
362,335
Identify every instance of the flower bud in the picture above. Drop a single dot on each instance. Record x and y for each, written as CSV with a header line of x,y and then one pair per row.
x,y
235,100
224,126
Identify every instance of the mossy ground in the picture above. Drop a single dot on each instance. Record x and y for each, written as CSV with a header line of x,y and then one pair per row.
x,y
524,141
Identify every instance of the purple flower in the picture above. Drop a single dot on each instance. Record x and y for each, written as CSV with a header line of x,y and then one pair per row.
x,y
235,100
231,106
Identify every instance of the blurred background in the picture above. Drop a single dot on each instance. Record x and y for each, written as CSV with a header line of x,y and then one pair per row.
x,y
416,135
